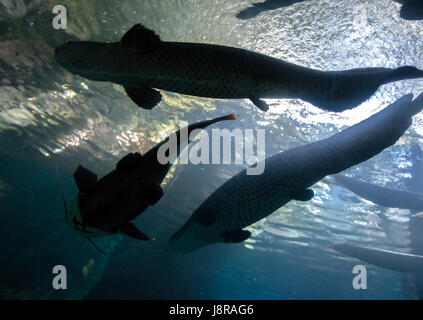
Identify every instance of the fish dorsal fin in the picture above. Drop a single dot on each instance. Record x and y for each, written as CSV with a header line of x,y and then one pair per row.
x,y
236,236
132,231
84,179
129,162
141,38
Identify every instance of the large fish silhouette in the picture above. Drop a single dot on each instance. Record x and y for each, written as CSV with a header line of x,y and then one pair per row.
x,y
142,63
108,206
245,199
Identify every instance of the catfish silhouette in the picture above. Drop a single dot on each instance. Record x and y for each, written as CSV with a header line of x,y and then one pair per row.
x,y
246,199
142,63
108,206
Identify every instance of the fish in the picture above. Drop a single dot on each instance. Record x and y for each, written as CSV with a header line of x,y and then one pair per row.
x,y
107,206
144,64
397,261
413,281
256,8
246,199
391,198
382,196
411,9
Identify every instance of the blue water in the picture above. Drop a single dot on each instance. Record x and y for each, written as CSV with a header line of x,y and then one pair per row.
x,y
51,121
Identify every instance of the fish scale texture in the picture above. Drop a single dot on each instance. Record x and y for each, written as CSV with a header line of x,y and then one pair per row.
x,y
246,199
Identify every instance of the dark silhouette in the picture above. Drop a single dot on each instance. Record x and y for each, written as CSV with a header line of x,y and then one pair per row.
x,y
246,199
386,259
409,265
382,196
107,206
411,9
141,62
267,5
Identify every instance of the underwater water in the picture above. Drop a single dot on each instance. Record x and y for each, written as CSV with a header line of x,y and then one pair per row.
x,y
52,120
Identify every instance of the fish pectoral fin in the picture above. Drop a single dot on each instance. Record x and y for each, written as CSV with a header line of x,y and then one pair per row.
x,y
129,162
302,195
153,194
132,231
144,97
263,106
236,236
141,38
84,179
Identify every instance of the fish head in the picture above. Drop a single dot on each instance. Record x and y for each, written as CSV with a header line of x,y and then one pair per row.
x,y
81,57
194,235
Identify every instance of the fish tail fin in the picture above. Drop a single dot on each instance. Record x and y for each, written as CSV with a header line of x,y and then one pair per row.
x,y
177,141
231,116
206,123
417,105
203,125
403,73
406,106
181,139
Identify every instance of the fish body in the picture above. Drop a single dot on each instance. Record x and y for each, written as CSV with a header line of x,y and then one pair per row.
x,y
397,261
142,63
108,206
246,199
256,8
382,196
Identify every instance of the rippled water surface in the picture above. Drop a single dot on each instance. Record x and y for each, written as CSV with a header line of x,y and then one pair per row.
x,y
52,120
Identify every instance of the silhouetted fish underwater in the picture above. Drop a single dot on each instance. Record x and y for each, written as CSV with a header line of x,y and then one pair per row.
x,y
259,7
109,205
382,196
411,9
397,261
245,199
141,62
